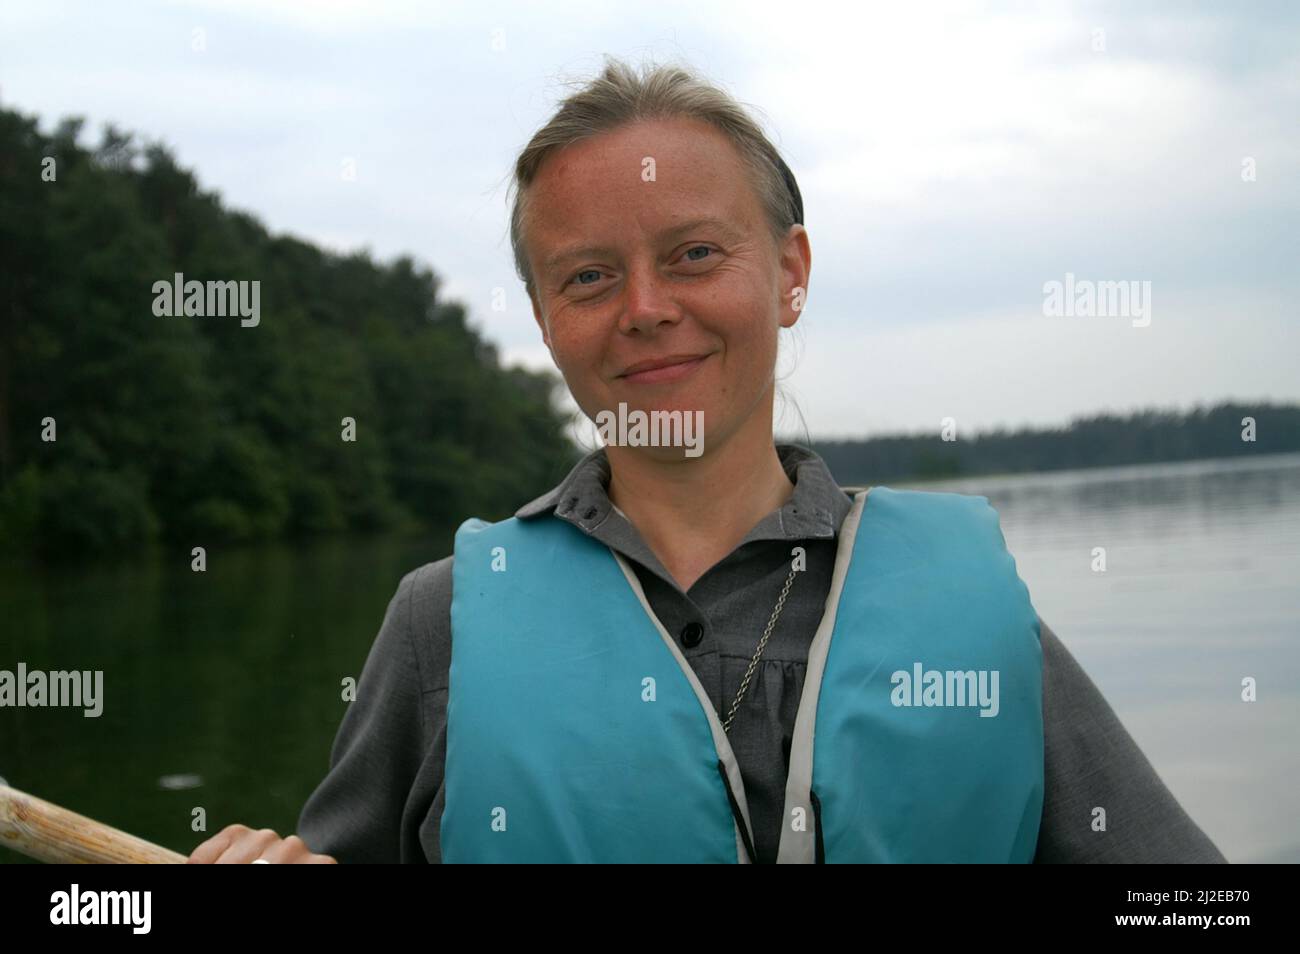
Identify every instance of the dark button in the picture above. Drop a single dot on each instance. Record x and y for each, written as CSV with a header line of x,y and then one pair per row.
x,y
692,633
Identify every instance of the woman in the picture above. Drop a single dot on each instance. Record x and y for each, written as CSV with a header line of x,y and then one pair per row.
x,y
636,665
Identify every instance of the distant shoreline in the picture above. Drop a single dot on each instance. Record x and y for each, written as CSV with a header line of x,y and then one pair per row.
x,y
1228,431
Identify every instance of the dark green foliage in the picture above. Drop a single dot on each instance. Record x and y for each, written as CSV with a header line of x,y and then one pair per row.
x,y
199,430
1102,440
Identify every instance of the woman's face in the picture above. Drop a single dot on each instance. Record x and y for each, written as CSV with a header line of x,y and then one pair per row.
x,y
648,245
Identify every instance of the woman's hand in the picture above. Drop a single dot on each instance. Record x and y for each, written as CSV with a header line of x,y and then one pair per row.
x,y
241,845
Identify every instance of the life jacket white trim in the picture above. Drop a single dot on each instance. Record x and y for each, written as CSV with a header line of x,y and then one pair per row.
x,y
720,740
800,847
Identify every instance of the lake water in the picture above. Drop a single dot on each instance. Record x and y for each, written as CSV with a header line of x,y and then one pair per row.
x,y
223,689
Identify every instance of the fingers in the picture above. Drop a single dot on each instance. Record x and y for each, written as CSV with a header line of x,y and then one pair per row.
x,y
241,845
284,852
210,850
248,848
294,851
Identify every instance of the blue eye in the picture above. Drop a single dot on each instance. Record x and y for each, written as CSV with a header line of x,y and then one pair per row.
x,y
698,248
586,271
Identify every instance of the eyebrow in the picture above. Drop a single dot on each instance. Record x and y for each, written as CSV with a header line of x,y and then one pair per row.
x,y
579,251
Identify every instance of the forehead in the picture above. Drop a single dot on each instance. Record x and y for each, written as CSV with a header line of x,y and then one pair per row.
x,y
644,176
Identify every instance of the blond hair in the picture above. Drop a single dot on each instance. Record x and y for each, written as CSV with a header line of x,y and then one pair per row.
x,y
620,96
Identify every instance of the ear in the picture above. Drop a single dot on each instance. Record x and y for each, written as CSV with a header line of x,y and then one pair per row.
x,y
795,263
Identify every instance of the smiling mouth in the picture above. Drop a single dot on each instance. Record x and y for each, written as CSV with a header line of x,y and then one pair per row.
x,y
668,372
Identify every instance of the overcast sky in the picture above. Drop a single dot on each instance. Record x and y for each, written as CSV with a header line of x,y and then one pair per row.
x,y
953,160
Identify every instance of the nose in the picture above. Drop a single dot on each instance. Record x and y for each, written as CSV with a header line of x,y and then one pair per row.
x,y
648,301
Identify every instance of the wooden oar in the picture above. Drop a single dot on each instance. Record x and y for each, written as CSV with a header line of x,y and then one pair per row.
x,y
41,830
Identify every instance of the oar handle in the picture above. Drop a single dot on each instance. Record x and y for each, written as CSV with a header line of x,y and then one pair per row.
x,y
41,830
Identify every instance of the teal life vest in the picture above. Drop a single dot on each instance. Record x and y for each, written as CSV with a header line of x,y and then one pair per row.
x,y
578,732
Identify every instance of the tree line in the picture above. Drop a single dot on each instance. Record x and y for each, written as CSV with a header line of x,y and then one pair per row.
x,y
1229,429
119,427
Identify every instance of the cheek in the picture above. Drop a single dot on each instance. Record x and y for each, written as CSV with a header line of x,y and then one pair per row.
x,y
752,358
578,356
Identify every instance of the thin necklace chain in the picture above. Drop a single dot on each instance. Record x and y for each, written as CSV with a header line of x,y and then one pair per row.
x,y
762,644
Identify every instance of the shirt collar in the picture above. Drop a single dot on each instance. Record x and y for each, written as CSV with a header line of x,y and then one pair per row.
x,y
815,510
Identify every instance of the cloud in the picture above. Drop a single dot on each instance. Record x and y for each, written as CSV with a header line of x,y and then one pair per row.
x,y
952,158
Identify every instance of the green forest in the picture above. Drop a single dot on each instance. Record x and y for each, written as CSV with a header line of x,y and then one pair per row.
x,y
201,429
120,427
1097,440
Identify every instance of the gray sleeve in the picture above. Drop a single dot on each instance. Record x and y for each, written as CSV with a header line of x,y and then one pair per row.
x,y
1091,761
370,805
